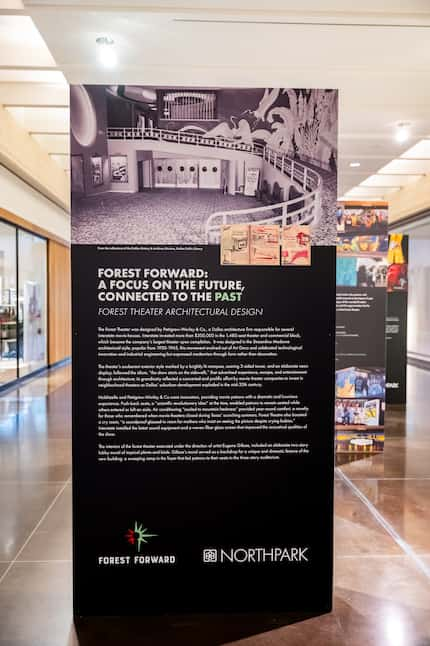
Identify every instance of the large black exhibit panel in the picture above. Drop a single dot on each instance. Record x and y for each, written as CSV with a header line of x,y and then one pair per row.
x,y
203,266
361,279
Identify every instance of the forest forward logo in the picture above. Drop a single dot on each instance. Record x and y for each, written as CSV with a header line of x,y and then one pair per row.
x,y
138,536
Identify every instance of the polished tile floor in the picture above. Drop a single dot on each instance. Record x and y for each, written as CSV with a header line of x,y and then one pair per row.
x,y
160,216
382,533
176,216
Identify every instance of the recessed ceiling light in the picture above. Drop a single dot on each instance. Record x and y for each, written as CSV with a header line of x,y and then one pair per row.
x,y
106,52
354,164
402,132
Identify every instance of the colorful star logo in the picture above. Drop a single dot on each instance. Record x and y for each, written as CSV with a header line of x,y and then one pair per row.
x,y
138,536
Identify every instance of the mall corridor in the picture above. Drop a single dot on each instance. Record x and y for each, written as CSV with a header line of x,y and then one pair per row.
x,y
382,544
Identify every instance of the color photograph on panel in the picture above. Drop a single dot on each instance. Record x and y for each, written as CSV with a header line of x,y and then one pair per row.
x,y
397,317
397,277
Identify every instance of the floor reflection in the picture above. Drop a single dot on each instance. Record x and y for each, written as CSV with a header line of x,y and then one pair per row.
x,y
381,596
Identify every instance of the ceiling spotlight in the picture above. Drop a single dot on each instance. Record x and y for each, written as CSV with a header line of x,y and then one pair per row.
x,y
354,164
106,52
402,132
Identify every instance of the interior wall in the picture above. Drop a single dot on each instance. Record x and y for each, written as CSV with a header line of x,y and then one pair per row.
x,y
272,175
227,104
98,148
59,302
242,162
18,197
126,148
419,299
120,113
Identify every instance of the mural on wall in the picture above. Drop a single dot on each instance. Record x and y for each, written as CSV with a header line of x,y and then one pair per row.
x,y
300,122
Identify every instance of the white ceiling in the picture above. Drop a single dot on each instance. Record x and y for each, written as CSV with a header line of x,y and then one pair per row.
x,y
32,88
378,55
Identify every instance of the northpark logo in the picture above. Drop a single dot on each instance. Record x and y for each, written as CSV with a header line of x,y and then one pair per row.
x,y
138,536
256,555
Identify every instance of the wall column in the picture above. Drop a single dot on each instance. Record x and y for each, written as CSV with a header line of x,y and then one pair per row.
x,y
59,303
231,186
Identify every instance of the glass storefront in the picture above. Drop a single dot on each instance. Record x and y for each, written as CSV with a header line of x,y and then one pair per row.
x,y
23,303
32,302
8,304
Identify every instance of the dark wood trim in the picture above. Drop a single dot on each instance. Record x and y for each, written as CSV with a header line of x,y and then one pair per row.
x,y
59,305
48,302
60,363
365,204
414,218
17,220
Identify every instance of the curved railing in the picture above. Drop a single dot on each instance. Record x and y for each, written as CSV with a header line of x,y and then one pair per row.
x,y
303,215
303,209
184,137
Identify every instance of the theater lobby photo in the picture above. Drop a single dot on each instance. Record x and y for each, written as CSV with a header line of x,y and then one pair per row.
x,y
153,165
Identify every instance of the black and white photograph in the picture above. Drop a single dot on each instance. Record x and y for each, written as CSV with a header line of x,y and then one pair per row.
x,y
118,169
96,171
186,161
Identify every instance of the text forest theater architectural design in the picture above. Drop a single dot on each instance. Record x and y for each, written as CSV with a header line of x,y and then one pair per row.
x,y
203,253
